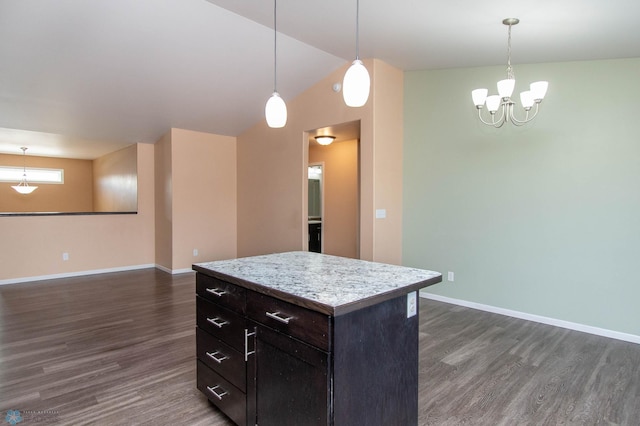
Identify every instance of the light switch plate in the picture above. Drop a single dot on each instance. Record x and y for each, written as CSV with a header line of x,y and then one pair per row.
x,y
412,304
381,213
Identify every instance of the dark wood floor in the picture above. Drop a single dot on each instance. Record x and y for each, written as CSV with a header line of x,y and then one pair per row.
x,y
119,349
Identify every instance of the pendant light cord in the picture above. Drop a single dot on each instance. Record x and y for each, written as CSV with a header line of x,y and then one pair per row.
x,y
357,29
275,46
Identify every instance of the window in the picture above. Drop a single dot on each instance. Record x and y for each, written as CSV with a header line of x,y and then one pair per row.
x,y
34,175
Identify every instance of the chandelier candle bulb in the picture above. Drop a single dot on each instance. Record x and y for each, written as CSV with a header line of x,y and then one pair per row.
x,y
493,103
505,88
526,98
479,96
539,90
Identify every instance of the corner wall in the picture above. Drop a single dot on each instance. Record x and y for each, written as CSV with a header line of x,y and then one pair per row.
x,y
195,199
272,168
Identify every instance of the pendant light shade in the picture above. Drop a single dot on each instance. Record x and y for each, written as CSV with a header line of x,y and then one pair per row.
x,y
276,111
356,83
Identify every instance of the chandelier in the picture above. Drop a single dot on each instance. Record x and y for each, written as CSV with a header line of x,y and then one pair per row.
x,y
23,187
502,101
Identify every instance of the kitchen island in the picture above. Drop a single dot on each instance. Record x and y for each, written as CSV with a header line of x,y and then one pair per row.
x,y
304,338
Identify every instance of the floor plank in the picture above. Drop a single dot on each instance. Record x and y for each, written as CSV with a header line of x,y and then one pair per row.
x,y
119,348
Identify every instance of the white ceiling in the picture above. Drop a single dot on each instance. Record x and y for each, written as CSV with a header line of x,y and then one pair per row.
x,y
125,71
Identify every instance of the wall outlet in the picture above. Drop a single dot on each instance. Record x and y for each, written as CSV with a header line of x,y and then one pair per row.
x,y
450,276
65,256
195,252
412,304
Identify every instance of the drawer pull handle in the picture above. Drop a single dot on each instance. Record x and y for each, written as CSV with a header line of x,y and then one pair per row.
x,y
277,316
216,292
216,356
218,322
246,344
216,394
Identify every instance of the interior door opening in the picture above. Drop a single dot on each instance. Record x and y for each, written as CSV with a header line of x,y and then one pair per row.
x,y
333,191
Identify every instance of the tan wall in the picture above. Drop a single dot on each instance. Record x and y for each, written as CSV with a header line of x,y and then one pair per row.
x,y
272,168
388,90
75,195
340,192
204,197
163,203
115,185
32,246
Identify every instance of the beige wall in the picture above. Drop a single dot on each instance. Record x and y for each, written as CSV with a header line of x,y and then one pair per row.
x,y
75,195
388,92
340,193
163,202
272,168
32,246
195,198
204,197
115,185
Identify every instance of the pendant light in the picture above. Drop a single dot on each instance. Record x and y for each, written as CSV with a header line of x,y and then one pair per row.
x,y
276,110
356,83
23,187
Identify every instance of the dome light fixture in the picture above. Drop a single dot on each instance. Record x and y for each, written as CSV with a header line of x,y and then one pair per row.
x,y
325,140
528,99
275,110
356,83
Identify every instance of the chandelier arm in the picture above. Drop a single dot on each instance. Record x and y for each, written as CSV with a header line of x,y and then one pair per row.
x,y
493,123
503,116
526,118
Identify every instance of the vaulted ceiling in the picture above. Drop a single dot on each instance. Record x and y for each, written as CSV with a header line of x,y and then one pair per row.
x,y
123,71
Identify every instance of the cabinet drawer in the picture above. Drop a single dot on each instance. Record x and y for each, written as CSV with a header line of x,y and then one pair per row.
x,y
221,323
229,399
222,359
307,325
229,295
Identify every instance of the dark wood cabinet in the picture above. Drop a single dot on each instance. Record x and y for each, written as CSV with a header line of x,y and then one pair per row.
x,y
292,382
268,358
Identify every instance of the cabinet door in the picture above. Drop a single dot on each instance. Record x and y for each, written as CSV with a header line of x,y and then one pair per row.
x,y
292,382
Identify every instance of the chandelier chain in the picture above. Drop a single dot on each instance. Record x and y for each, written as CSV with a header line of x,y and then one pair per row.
x,y
509,68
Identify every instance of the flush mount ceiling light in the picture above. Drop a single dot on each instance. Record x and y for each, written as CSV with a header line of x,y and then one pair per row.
x,y
276,110
356,83
502,100
325,140
23,187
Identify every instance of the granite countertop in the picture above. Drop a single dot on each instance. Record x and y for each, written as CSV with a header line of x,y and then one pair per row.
x,y
329,284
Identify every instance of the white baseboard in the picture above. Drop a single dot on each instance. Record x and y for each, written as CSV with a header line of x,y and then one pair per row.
x,y
536,318
75,274
174,271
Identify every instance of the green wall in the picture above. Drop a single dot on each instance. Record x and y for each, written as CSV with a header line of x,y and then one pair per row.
x,y
542,219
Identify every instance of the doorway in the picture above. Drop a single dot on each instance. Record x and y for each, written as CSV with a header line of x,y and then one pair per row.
x,y
316,202
337,227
